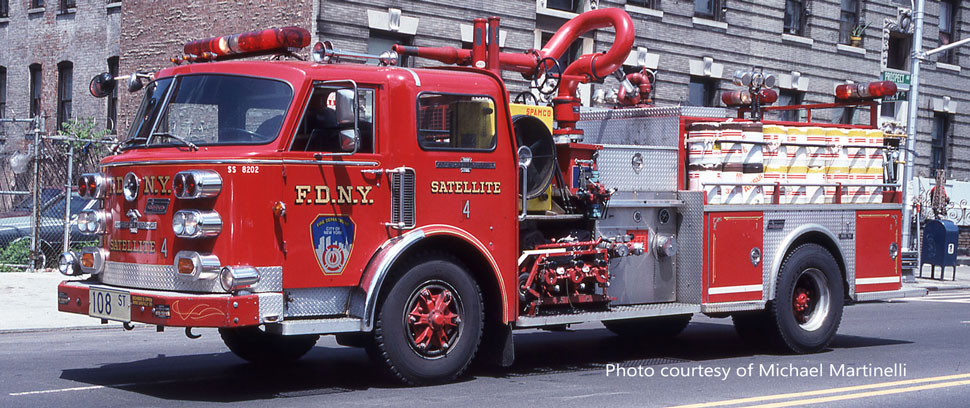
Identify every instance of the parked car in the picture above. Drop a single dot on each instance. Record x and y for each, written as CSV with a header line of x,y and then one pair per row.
x,y
15,225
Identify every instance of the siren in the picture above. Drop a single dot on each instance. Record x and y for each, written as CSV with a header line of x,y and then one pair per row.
x,y
274,40
743,97
871,90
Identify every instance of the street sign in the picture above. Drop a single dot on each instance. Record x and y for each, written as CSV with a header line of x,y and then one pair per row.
x,y
902,96
900,78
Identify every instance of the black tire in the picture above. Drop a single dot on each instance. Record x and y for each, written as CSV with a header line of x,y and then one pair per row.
x,y
650,328
400,344
256,346
807,307
754,328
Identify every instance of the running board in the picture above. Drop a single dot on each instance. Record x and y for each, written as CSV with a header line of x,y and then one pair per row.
x,y
315,326
890,294
616,313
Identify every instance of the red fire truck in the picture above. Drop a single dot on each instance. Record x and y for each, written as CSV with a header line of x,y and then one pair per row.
x,y
419,213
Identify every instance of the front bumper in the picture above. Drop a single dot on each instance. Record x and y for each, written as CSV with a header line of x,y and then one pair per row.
x,y
183,309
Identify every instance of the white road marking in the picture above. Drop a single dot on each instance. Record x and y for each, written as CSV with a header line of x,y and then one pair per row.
x,y
600,394
92,387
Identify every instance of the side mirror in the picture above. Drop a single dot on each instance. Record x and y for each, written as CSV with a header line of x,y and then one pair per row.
x,y
134,82
102,85
346,107
349,140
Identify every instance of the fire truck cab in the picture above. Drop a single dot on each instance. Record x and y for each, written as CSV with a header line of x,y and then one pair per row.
x,y
418,213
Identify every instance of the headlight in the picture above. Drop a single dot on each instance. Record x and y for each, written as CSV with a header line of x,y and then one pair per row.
x,y
196,266
196,224
92,185
131,187
92,222
68,264
234,278
194,184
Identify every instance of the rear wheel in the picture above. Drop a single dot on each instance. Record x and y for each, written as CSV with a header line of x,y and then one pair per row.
x,y
807,308
256,346
654,327
430,324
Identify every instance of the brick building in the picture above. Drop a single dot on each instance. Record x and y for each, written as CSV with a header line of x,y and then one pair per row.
x,y
693,46
49,50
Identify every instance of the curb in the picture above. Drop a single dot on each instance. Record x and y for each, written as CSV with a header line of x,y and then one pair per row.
x,y
70,328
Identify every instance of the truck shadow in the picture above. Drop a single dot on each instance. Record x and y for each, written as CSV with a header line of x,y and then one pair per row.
x,y
328,369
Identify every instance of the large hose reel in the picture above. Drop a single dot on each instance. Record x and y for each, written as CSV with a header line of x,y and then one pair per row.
x,y
532,132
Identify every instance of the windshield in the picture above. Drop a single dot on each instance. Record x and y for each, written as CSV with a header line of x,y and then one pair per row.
x,y
210,110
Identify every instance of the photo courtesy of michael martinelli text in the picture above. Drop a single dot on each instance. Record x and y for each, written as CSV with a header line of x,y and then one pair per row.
x,y
759,370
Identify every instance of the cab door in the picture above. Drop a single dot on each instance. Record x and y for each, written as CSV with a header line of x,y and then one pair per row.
x,y
335,196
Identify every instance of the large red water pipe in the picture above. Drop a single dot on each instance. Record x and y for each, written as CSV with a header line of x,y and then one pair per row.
x,y
589,67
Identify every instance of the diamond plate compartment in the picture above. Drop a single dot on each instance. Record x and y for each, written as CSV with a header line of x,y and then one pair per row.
x,y
648,131
638,168
164,277
270,307
317,301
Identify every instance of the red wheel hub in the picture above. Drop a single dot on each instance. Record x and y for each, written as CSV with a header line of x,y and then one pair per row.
x,y
433,320
801,302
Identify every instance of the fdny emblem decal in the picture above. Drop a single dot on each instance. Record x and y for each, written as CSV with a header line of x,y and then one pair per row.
x,y
333,240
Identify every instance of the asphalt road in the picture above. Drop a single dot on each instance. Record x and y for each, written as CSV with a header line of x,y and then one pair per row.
x,y
927,341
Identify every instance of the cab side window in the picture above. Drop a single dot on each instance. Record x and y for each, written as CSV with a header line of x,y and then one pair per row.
x,y
456,122
318,130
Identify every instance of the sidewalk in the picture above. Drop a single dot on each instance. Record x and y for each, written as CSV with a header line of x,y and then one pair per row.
x,y
28,301
962,279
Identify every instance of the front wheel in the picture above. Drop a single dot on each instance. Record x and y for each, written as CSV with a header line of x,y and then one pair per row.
x,y
256,346
807,308
430,324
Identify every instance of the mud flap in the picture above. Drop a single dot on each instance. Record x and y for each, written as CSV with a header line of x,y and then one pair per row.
x,y
497,348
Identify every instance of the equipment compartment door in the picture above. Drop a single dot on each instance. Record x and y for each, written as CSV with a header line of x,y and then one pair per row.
x,y
732,257
877,251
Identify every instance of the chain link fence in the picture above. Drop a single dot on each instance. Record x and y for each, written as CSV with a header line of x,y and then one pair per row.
x,y
38,202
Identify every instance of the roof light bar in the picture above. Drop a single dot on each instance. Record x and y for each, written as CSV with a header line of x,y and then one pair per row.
x,y
871,90
269,41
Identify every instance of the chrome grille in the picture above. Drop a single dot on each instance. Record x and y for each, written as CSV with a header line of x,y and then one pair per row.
x,y
402,198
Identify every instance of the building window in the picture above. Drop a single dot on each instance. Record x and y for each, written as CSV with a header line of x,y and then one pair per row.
x,y
36,81
36,3
65,82
701,91
898,53
67,4
787,97
456,122
795,17
710,9
941,132
564,5
849,19
3,91
381,41
650,4
947,30
4,8
112,122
